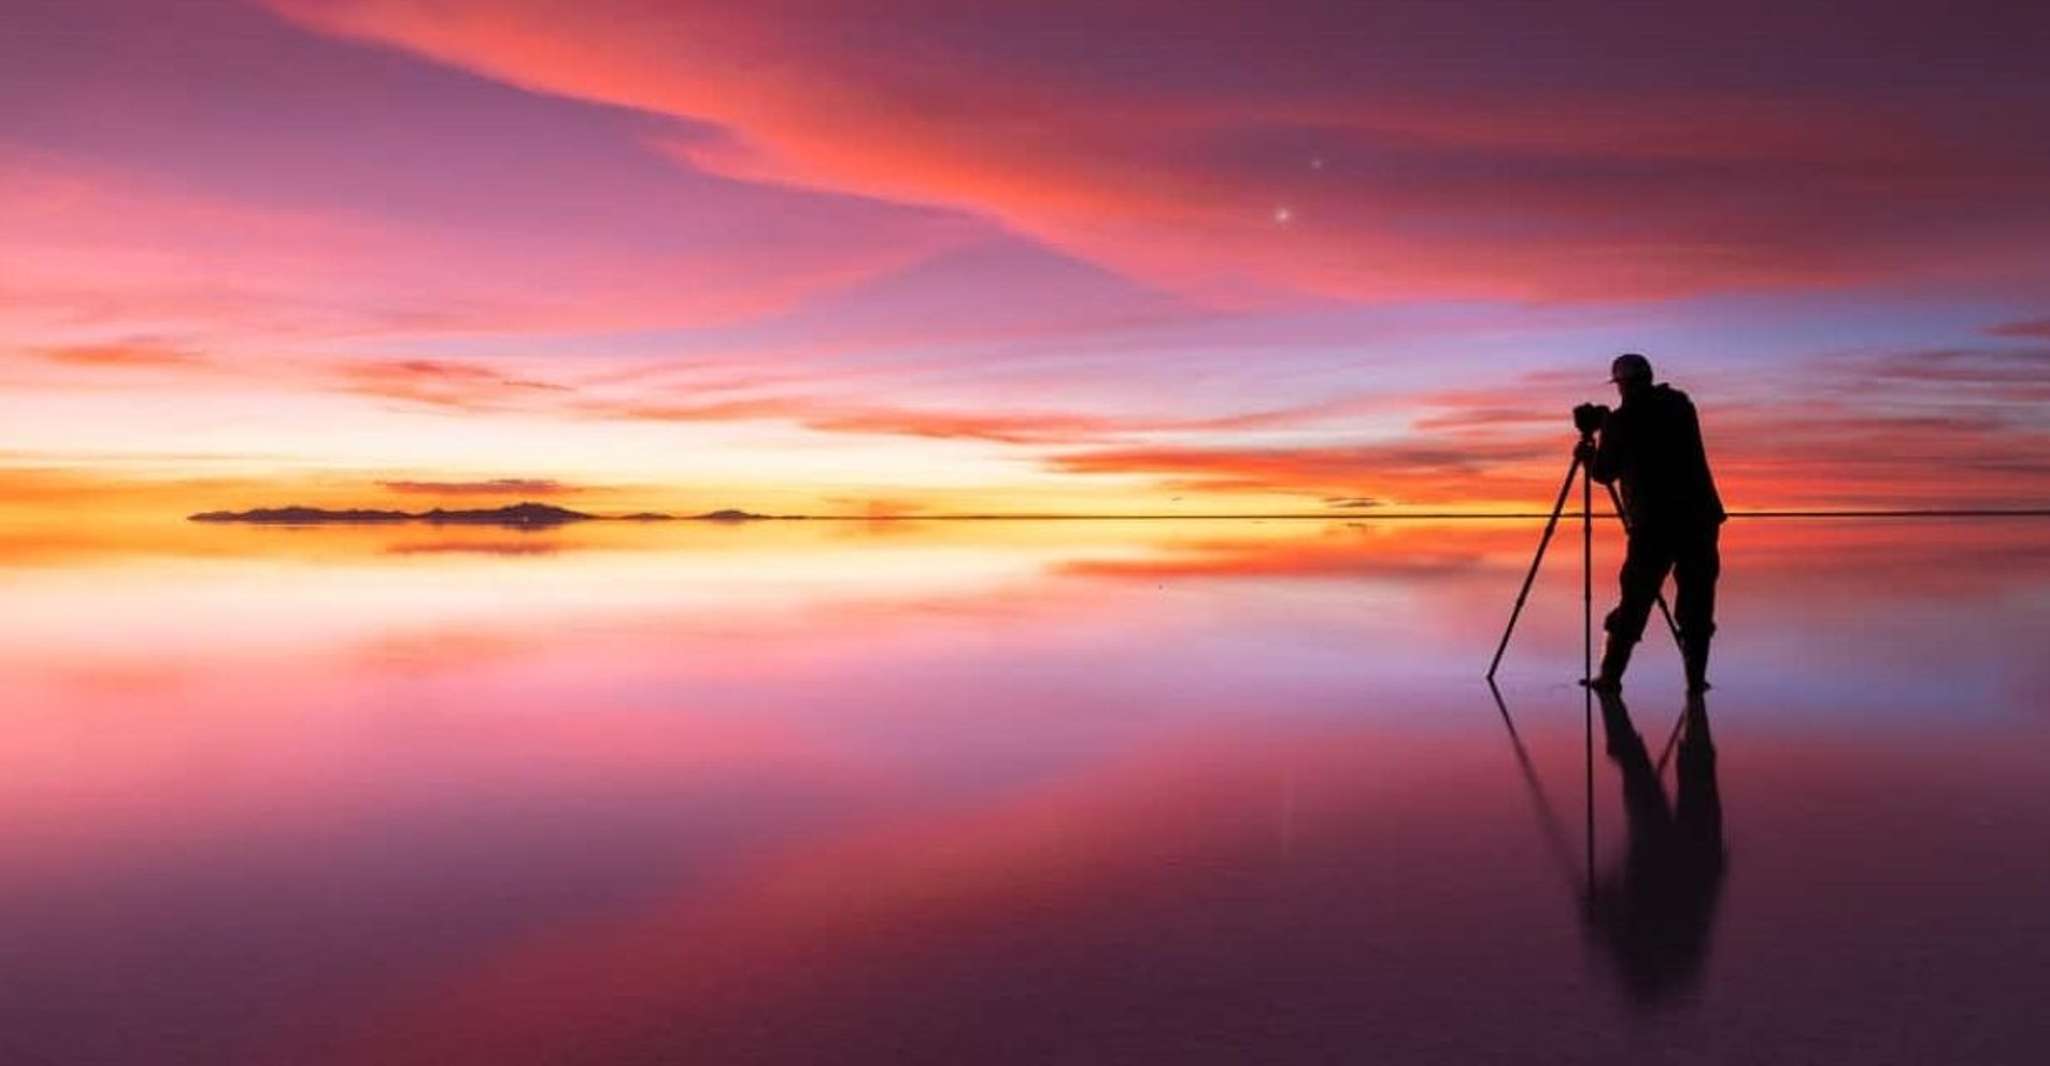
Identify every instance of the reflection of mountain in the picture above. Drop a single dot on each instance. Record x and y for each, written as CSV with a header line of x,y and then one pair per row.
x,y
300,515
523,546
520,514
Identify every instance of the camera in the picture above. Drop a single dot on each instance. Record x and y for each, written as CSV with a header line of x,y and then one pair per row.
x,y
1588,417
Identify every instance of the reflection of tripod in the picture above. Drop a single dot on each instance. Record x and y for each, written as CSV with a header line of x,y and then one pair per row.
x,y
1586,562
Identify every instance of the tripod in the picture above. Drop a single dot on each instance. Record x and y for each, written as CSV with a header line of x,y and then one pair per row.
x,y
1576,467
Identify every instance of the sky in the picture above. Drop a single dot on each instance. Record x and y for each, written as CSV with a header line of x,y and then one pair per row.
x,y
906,258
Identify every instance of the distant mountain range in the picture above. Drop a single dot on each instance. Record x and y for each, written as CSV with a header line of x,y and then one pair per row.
x,y
519,514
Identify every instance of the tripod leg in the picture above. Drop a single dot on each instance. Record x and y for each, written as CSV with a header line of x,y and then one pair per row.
x,y
1587,575
1587,654
1664,611
1548,818
1523,593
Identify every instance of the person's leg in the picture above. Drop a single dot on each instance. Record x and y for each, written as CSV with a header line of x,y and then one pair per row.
x,y
1645,563
1699,805
1697,564
1644,799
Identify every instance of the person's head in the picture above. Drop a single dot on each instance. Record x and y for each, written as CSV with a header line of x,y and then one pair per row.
x,y
1631,373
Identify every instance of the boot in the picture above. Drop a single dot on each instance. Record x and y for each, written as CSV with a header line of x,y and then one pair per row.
x,y
1694,652
1615,659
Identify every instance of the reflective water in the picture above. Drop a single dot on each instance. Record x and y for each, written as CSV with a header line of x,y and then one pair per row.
x,y
1058,792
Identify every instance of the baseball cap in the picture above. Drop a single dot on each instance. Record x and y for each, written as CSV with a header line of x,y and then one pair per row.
x,y
1630,366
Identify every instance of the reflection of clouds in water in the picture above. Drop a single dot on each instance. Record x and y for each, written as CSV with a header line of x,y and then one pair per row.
x,y
1215,862
1916,604
476,548
967,786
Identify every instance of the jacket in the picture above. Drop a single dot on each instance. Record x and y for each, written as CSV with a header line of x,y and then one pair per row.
x,y
1652,444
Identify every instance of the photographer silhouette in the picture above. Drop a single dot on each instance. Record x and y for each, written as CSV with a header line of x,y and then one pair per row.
x,y
1651,446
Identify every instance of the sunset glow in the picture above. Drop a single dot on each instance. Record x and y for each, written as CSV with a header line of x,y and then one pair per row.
x,y
1023,532
621,255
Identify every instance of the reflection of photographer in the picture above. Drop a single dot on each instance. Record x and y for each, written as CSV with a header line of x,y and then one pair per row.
x,y
1651,444
1655,910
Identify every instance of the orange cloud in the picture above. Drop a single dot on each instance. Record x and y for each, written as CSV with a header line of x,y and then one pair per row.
x,y
1402,472
1020,428
441,383
133,355
503,486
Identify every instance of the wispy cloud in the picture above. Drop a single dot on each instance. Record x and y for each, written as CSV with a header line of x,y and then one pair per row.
x,y
1412,472
141,355
2032,327
503,486
1997,381
470,386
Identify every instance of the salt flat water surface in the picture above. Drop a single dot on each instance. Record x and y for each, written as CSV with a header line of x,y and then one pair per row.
x,y
1014,792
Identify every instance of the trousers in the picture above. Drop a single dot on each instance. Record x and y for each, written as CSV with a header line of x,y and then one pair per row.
x,y
1691,555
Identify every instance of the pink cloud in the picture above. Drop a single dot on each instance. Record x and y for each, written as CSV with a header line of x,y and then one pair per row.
x,y
1435,153
835,404
118,251
2032,328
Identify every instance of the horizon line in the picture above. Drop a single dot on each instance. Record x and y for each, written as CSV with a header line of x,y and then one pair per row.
x,y
1972,512
1300,516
